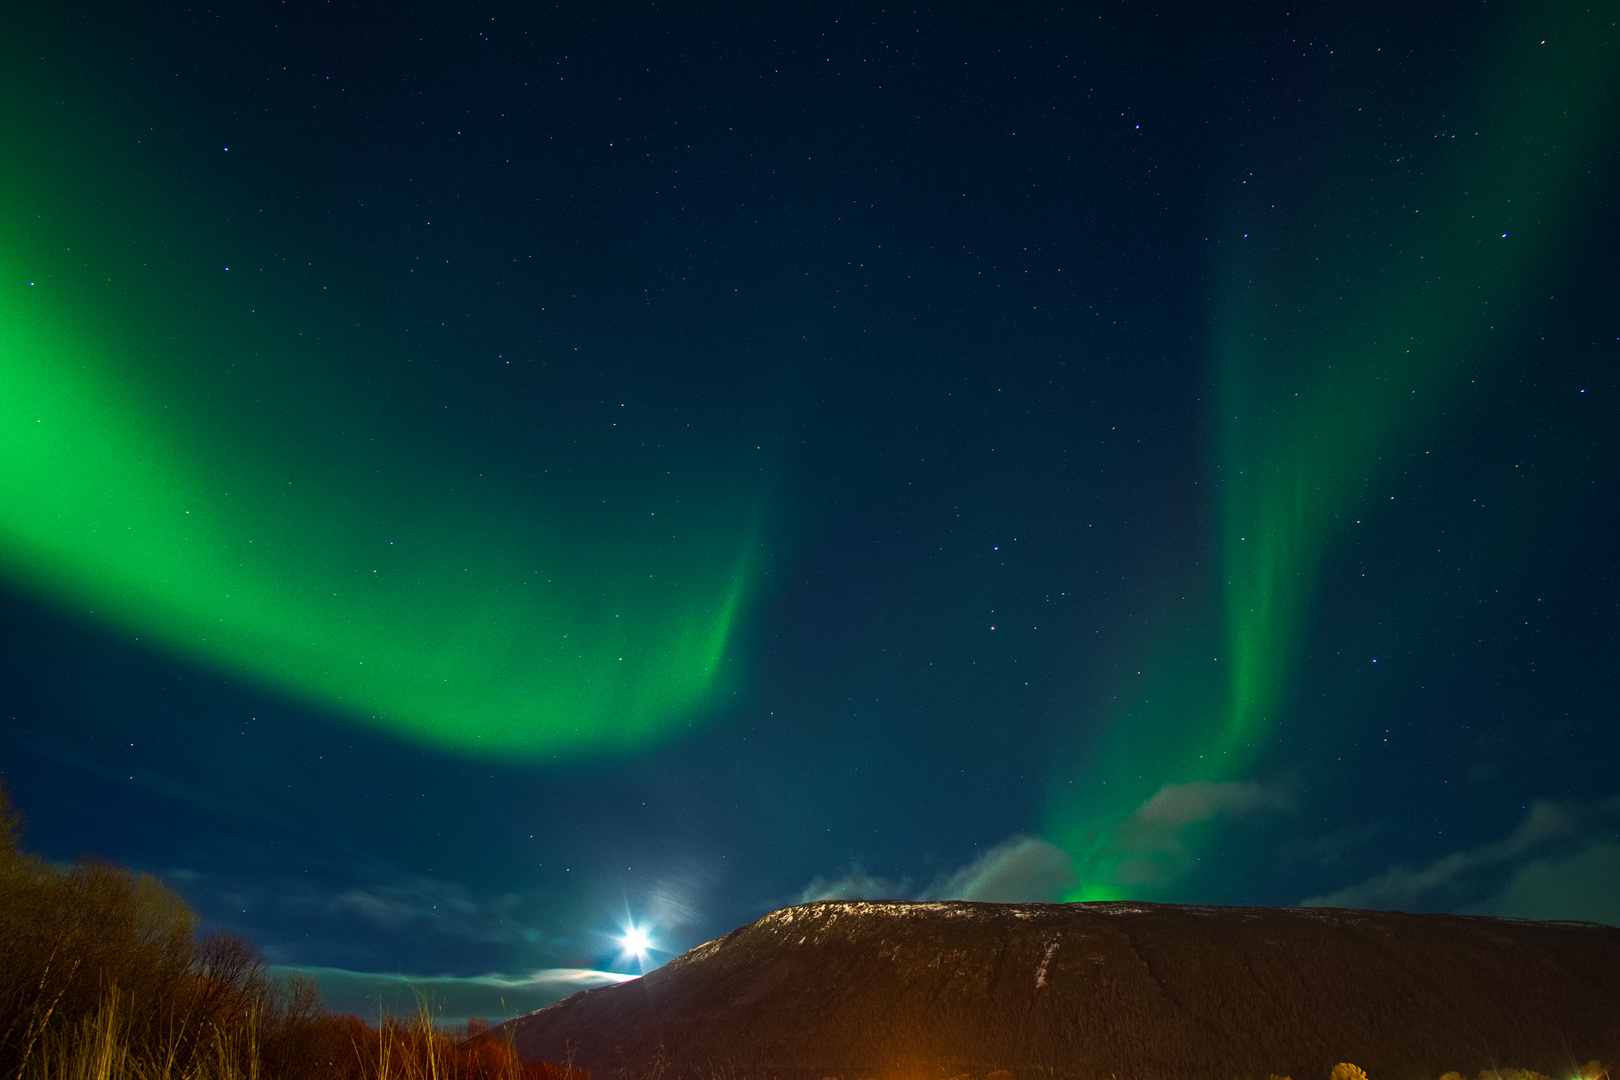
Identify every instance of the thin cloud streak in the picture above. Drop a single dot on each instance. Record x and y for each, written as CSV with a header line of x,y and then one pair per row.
x,y
1552,865
1151,846
449,999
1020,869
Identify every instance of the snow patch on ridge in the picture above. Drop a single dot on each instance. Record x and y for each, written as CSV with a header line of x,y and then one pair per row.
x,y
1040,972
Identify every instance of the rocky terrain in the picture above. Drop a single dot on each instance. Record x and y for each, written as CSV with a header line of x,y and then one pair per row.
x,y
924,991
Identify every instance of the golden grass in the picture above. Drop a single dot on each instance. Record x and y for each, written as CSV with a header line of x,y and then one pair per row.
x,y
100,1047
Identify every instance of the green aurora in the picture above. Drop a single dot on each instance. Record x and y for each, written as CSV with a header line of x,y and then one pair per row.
x,y
1338,336
183,455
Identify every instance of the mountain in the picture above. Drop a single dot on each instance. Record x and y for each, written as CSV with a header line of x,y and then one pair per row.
x,y
928,991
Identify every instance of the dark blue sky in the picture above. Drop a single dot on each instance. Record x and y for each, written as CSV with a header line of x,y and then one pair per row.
x,y
947,306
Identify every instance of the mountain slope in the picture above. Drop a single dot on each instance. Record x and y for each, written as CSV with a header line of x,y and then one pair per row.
x,y
1125,990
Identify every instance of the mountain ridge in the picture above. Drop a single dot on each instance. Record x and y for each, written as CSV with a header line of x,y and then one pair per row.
x,y
861,990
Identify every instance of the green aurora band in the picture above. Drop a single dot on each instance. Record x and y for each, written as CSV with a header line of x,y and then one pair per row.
x,y
175,464
1337,340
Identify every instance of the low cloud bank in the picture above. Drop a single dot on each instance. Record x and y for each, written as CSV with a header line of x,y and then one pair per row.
x,y
449,999
1150,847
1020,869
450,908
1561,862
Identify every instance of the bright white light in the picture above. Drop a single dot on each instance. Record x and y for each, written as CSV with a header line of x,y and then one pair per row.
x,y
636,942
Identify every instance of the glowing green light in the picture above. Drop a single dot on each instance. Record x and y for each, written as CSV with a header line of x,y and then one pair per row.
x,y
1320,377
1307,418
408,584
438,616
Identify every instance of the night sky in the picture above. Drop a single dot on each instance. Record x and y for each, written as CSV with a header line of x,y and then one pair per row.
x,y
475,477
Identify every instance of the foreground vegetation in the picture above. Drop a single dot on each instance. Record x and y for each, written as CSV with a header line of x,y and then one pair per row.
x,y
104,976
1592,1070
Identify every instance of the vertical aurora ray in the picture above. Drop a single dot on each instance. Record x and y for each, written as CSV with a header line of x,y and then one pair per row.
x,y
1338,338
169,465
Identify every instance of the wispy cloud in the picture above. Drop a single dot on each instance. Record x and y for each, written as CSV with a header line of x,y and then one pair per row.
x,y
1560,861
1584,886
1019,869
345,920
856,884
1150,847
449,999
1332,848
449,908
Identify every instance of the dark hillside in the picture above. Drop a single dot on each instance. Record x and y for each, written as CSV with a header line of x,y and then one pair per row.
x,y
1126,990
